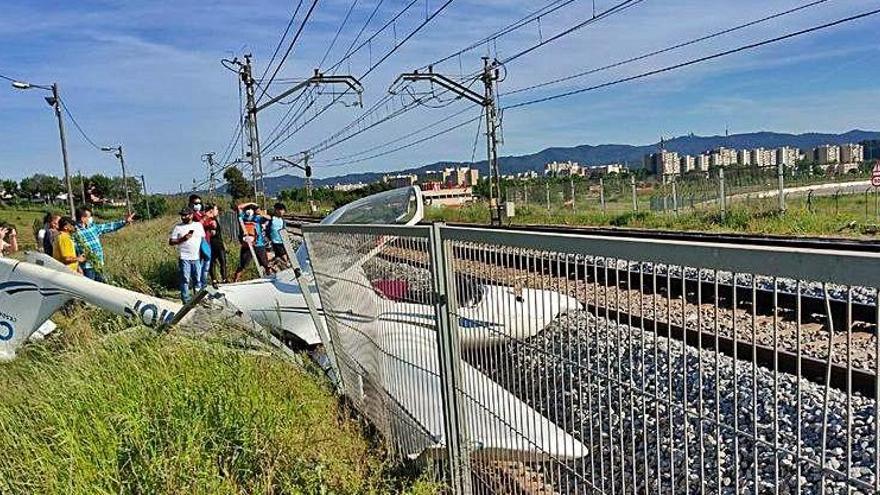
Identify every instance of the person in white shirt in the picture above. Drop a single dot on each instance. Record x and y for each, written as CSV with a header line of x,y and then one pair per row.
x,y
187,236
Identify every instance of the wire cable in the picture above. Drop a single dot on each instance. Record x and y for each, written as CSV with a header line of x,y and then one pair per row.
x,y
695,61
617,8
278,142
281,41
339,30
78,127
289,48
667,49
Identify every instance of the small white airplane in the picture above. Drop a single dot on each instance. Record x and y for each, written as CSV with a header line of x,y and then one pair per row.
x,y
380,335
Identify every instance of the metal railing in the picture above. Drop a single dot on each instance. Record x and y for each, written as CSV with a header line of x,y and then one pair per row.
x,y
522,362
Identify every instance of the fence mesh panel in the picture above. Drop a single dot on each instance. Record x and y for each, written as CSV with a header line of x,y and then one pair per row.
x,y
600,365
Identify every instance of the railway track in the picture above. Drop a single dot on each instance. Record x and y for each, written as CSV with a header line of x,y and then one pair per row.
x,y
762,302
611,298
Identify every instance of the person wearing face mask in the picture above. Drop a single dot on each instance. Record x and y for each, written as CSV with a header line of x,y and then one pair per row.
x,y
251,237
187,237
195,204
88,240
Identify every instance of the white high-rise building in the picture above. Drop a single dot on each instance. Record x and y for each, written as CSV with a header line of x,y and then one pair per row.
x,y
787,156
686,164
662,163
828,153
852,153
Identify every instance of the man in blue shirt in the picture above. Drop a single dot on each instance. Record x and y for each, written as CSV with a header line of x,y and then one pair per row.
x,y
276,226
88,240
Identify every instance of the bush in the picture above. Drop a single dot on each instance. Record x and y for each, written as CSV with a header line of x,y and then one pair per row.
x,y
158,206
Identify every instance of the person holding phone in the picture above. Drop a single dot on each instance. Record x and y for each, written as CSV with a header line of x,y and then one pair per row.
x,y
187,236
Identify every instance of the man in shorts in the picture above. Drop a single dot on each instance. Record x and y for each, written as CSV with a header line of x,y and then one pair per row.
x,y
276,228
251,227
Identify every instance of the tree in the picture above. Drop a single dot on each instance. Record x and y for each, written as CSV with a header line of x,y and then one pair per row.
x,y
236,185
41,185
100,185
9,186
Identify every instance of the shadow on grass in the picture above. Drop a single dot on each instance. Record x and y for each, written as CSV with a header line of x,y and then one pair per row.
x,y
163,274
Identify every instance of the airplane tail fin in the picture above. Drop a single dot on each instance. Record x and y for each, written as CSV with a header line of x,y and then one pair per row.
x,y
25,306
31,291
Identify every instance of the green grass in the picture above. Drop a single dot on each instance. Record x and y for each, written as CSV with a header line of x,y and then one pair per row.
x,y
845,216
135,413
99,407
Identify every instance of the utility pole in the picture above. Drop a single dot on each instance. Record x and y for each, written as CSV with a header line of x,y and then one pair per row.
x,y
82,186
489,78
117,150
209,159
146,199
302,164
55,102
245,71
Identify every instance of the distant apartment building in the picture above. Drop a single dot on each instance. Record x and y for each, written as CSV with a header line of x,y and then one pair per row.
x,y
600,170
401,180
462,177
562,169
744,157
662,163
852,153
761,157
808,155
787,156
722,157
702,162
686,164
349,187
828,154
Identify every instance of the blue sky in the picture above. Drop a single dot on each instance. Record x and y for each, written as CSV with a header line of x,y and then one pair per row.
x,y
147,75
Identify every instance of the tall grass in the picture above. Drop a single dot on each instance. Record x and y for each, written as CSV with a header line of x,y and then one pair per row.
x,y
99,407
135,413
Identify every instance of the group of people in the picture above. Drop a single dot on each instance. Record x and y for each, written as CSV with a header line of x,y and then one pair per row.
x,y
201,250
77,243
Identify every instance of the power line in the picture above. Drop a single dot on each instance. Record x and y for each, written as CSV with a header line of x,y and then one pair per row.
x,y
667,49
339,30
281,41
528,19
279,140
289,48
409,145
393,141
695,61
620,7
78,128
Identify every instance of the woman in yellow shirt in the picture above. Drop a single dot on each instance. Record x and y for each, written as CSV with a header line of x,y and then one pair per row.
x,y
64,249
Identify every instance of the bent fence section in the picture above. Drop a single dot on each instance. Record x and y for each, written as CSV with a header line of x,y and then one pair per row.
x,y
523,362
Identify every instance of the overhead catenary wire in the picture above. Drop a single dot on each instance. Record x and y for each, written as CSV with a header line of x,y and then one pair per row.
x,y
667,49
340,161
525,21
288,133
617,8
290,47
408,145
396,140
547,9
338,31
695,61
281,41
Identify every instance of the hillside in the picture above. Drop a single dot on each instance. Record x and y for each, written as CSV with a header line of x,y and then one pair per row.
x,y
605,153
